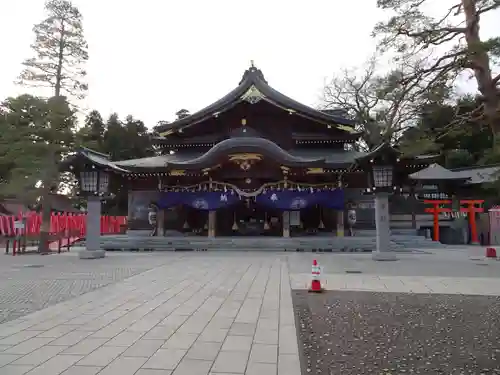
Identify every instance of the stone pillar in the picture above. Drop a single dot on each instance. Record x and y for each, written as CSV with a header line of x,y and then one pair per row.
x,y
340,223
160,222
211,224
286,224
93,235
382,222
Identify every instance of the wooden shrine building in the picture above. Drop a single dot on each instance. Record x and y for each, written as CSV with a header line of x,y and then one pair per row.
x,y
255,162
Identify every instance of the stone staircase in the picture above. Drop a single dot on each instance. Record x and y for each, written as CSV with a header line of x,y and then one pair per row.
x,y
311,243
405,238
417,242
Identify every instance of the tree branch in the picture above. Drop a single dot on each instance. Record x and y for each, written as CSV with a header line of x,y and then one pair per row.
x,y
496,80
488,8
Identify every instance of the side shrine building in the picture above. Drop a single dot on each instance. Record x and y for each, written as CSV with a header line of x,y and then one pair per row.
x,y
255,162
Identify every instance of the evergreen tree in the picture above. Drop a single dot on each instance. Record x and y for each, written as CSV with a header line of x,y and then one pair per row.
x,y
91,135
183,113
28,128
114,136
60,52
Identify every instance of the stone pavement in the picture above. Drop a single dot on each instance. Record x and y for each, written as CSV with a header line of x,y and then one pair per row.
x,y
205,313
195,315
31,282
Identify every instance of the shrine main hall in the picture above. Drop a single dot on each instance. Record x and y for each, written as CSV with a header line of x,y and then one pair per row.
x,y
254,163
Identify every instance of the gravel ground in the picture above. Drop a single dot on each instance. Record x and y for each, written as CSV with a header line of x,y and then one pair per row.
x,y
353,333
32,282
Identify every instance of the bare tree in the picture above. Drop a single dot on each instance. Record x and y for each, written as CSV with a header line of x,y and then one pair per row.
x,y
382,105
456,32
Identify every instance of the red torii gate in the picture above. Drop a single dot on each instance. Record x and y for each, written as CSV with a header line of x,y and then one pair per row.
x,y
470,209
435,211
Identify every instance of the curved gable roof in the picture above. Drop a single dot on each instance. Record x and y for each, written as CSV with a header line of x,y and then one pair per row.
x,y
247,144
253,84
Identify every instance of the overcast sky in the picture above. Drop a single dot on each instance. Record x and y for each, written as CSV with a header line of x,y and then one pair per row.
x,y
150,58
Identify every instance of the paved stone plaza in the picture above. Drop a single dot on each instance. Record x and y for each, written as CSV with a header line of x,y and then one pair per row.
x,y
32,282
195,313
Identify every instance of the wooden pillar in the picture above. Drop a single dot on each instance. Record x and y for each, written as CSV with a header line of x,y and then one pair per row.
x,y
211,224
160,222
340,223
286,224
340,215
414,205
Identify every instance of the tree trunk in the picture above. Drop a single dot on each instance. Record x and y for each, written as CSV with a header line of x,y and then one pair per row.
x,y
60,61
492,116
481,65
43,245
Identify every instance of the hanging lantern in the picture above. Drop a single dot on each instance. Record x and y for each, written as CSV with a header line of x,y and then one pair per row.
x,y
186,225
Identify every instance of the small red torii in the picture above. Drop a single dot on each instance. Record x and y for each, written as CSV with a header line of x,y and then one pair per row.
x,y
471,209
435,211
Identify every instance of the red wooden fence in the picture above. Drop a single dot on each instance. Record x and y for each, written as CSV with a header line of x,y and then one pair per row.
x,y
59,222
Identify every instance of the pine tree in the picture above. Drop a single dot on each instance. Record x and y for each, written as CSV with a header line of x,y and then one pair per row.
x,y
91,135
60,52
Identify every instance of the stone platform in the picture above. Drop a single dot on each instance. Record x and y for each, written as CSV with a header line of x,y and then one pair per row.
x,y
131,242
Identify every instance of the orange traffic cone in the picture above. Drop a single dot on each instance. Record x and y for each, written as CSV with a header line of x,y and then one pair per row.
x,y
316,278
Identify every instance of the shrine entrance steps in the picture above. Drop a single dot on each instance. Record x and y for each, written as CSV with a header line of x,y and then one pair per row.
x,y
311,243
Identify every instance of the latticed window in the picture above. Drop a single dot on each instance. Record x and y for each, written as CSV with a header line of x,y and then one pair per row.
x,y
94,181
382,176
103,182
88,181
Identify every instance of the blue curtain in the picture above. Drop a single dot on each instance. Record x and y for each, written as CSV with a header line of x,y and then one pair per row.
x,y
298,200
286,200
201,200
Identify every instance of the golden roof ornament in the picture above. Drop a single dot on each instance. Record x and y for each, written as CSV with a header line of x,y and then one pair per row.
x,y
253,95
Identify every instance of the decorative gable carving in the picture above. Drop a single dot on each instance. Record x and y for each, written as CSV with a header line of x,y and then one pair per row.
x,y
253,95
